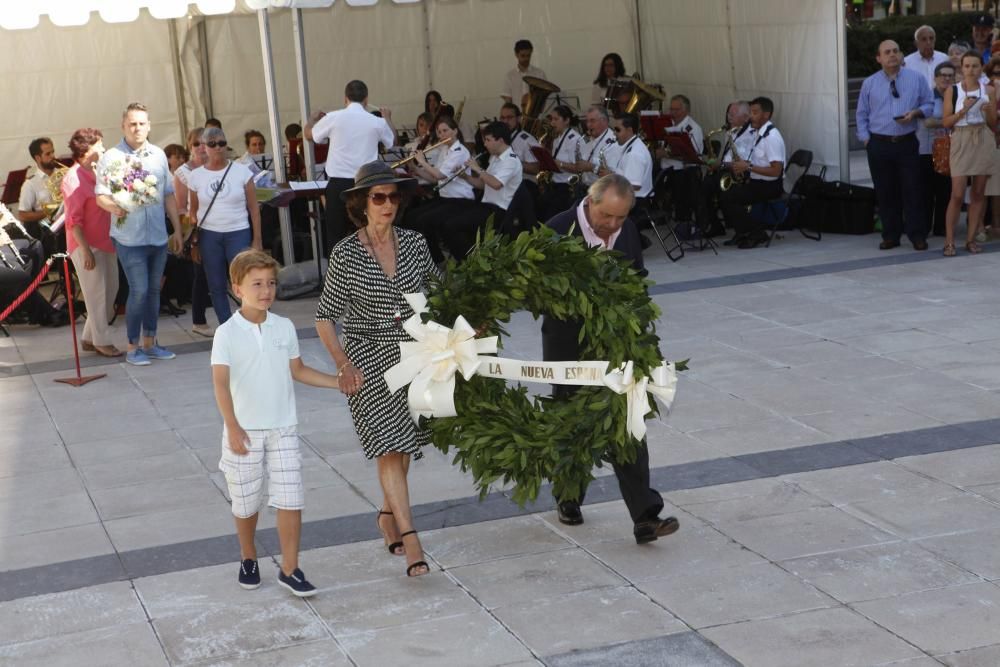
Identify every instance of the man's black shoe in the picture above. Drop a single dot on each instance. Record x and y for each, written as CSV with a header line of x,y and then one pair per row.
x,y
737,238
569,513
649,531
888,245
920,244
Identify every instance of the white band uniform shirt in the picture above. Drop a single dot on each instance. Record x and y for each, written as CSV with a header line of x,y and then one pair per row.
x,y
453,160
354,136
514,86
521,143
925,66
743,140
768,146
564,150
694,131
229,212
507,169
636,164
591,151
260,380
34,194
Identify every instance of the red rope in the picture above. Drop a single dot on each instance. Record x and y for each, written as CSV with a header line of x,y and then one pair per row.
x,y
31,288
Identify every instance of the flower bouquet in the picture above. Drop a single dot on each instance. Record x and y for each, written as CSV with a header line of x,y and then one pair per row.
x,y
132,187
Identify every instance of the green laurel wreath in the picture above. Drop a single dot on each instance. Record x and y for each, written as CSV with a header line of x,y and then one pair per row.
x,y
500,434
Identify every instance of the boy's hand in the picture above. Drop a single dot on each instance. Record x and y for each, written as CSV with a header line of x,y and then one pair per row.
x,y
238,439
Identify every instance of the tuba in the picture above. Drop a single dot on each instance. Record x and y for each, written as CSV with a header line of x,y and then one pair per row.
x,y
644,95
533,103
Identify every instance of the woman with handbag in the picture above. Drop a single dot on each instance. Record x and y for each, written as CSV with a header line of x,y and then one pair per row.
x,y
939,180
199,283
970,110
225,215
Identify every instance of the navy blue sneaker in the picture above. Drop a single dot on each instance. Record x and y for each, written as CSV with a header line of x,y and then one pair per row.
x,y
249,574
296,584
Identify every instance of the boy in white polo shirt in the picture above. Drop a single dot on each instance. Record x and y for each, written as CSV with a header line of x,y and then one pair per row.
x,y
255,357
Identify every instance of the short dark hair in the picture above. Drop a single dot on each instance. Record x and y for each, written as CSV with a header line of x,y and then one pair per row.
x,y
134,106
523,45
765,104
292,131
945,65
250,134
563,112
356,204
629,120
356,91
171,150
35,147
498,130
213,122
513,107
82,140
683,99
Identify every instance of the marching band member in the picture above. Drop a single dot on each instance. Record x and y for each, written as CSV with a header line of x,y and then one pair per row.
x,y
764,163
738,124
632,160
677,175
499,182
564,151
612,67
600,138
354,136
34,194
451,159
521,143
514,88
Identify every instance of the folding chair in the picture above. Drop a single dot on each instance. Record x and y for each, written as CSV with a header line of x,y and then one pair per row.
x,y
646,211
776,211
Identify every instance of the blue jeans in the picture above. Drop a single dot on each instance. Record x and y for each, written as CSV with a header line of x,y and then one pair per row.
x,y
217,251
143,266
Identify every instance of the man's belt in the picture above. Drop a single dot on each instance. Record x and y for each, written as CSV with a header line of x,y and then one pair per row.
x,y
894,138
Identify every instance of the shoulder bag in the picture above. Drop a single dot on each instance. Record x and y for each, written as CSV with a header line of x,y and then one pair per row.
x,y
191,250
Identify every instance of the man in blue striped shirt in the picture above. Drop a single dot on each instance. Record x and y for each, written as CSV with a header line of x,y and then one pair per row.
x,y
891,104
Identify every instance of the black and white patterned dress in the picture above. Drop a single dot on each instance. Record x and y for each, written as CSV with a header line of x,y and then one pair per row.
x,y
373,309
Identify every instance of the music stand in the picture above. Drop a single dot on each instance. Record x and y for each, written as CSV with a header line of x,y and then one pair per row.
x,y
545,160
682,148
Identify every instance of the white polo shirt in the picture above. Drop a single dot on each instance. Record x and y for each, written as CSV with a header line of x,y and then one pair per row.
x,y
694,131
743,139
636,164
768,146
260,379
34,193
507,169
514,86
452,161
354,136
521,143
591,151
564,150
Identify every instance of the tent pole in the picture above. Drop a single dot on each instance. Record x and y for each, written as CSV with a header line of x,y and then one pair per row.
x,y
842,123
429,69
307,146
638,40
175,60
284,218
206,72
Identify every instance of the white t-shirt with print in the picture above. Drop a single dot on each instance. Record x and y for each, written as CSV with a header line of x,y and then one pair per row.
x,y
229,213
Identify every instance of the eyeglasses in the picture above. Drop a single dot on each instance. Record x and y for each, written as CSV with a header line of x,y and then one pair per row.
x,y
217,144
892,89
380,198
947,75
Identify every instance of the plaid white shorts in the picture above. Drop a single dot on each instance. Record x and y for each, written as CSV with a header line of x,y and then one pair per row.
x,y
272,454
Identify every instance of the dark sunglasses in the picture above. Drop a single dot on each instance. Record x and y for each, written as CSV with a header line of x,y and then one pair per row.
x,y
892,89
380,198
224,143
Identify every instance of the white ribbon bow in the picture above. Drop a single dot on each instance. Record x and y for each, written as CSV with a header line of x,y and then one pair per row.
x,y
662,384
430,362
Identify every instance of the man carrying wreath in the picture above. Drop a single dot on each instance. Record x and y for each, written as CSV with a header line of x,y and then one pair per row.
x,y
601,218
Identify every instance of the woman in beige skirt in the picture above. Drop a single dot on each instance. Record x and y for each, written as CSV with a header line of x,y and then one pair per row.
x,y
970,111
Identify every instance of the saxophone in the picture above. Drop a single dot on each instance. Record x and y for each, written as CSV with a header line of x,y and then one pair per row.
x,y
602,163
729,179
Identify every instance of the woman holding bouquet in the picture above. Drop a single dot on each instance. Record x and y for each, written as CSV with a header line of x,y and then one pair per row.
x,y
134,185
226,214
88,242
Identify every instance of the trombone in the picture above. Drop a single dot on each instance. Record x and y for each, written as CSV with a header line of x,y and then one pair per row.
x,y
413,156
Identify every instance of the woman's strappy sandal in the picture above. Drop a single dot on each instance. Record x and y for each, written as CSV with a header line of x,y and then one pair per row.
x,y
948,250
418,564
393,546
973,248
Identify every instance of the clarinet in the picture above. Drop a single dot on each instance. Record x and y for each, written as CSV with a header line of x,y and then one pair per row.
x,y
442,184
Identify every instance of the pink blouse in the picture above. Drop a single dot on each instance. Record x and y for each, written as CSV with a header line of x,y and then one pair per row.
x,y
82,211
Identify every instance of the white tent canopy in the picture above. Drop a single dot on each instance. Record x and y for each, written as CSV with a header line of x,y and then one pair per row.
x,y
64,72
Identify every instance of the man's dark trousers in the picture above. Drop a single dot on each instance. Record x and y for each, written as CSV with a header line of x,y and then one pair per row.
x,y
896,175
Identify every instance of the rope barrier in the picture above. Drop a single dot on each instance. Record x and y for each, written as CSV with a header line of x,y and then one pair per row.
x,y
27,292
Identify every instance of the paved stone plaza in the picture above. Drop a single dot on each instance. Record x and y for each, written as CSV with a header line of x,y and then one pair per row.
x,y
832,457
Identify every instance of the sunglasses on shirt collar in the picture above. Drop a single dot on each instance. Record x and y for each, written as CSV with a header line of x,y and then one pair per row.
x,y
892,89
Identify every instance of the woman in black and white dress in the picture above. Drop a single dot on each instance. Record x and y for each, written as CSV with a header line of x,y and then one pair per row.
x,y
368,275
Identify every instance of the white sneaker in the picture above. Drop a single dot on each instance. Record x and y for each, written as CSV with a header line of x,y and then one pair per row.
x,y
203,330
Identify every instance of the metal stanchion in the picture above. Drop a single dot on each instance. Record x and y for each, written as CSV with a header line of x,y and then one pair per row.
x,y
79,380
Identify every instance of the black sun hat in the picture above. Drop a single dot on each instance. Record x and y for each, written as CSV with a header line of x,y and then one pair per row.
x,y
377,173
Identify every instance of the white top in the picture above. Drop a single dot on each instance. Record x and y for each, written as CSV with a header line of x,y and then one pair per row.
x,y
591,151
765,150
260,380
636,164
229,213
564,150
697,140
924,66
743,138
514,86
521,143
34,193
507,169
354,136
451,163
182,173
974,116
598,93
